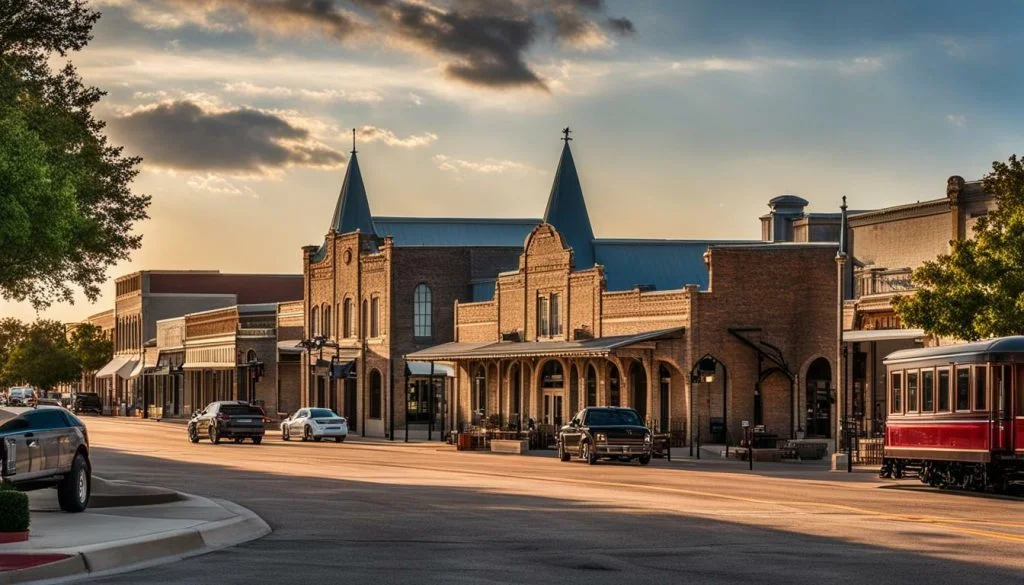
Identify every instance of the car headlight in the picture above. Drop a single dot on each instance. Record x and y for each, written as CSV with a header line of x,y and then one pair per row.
x,y
647,438
600,437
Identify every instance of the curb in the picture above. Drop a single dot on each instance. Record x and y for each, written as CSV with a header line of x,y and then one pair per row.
x,y
123,556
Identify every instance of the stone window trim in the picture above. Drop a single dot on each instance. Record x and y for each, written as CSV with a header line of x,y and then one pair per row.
x,y
423,312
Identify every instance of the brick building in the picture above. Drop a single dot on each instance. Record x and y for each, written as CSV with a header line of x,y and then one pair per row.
x,y
696,335
145,297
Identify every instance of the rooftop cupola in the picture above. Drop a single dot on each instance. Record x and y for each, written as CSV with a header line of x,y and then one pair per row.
x,y
567,210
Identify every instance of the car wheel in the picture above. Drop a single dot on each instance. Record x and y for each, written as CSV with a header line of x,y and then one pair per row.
x,y
587,453
214,437
238,440
193,436
307,433
257,440
563,455
644,459
284,434
73,491
317,439
339,439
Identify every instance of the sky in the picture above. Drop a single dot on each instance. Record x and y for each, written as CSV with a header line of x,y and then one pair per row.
x,y
687,115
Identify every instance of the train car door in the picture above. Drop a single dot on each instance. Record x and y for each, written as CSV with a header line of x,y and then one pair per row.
x,y
1016,417
1003,389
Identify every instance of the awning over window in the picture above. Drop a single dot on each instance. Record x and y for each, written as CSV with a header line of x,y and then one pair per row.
x,y
135,372
289,346
602,346
882,334
423,369
121,365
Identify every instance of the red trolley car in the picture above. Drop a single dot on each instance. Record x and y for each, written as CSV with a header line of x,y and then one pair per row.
x,y
956,414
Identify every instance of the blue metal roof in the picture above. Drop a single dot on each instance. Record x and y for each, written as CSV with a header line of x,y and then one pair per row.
x,y
456,232
665,264
567,211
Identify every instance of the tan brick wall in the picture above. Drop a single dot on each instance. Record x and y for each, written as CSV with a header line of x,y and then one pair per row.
x,y
904,243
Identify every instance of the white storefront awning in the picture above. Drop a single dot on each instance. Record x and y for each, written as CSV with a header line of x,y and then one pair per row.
x,y
134,372
121,365
882,334
423,369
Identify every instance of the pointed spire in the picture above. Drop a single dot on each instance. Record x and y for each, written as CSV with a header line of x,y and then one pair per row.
x,y
841,253
352,211
567,210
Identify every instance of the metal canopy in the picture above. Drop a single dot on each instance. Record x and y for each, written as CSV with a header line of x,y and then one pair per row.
x,y
423,369
599,347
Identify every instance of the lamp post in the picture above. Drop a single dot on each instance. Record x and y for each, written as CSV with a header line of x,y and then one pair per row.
x,y
841,257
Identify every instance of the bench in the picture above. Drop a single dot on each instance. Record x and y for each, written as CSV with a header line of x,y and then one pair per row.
x,y
509,446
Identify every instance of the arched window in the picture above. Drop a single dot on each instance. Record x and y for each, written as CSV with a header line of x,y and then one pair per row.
x,y
346,317
422,311
376,384
374,317
327,321
314,321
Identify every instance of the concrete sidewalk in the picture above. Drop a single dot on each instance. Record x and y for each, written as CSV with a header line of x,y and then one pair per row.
x,y
156,526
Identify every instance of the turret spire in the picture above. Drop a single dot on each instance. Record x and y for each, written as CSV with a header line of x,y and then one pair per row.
x,y
352,212
567,209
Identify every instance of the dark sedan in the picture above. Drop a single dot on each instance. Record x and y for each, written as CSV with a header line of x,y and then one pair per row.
x,y
606,432
46,447
228,419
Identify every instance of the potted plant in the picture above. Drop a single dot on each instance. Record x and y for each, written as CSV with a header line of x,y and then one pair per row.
x,y
14,517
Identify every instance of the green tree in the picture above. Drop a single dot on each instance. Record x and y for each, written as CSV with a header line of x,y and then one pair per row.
x,y
66,206
91,348
43,358
977,290
12,331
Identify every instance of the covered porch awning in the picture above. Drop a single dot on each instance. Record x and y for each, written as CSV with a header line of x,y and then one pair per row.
x,y
851,336
600,347
121,365
423,369
289,346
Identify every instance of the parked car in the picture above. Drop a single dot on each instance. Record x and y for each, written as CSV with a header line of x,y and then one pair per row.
x,y
314,424
21,396
46,447
88,402
606,432
228,419
50,402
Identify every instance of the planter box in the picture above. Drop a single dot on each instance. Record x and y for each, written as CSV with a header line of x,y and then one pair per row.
x,y
9,537
509,446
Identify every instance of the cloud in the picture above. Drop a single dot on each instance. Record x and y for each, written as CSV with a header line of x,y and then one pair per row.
x,y
957,120
374,134
481,42
694,66
182,135
314,95
488,166
219,185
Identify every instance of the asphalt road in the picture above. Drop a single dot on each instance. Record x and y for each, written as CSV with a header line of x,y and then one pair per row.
x,y
364,512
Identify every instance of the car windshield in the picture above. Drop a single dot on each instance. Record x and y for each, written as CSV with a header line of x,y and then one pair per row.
x,y
613,418
235,409
321,413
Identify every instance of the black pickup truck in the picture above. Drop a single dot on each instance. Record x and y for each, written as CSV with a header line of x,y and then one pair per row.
x,y
606,432
228,419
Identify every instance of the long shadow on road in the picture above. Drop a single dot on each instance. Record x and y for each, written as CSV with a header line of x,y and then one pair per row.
x,y
340,530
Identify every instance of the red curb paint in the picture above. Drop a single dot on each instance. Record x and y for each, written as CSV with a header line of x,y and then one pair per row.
x,y
15,561
8,537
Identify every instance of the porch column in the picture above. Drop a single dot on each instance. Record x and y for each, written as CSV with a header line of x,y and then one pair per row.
x,y
654,397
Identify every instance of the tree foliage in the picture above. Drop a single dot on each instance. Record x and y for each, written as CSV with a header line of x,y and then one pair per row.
x,y
12,331
91,348
43,357
66,205
977,290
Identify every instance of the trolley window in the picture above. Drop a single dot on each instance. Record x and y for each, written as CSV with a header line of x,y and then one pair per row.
x,y
980,387
912,392
963,388
944,390
927,390
896,392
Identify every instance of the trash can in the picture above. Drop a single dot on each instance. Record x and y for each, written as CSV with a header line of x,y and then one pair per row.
x,y
465,442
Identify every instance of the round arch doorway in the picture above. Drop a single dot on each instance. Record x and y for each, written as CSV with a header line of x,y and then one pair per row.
x,y
819,399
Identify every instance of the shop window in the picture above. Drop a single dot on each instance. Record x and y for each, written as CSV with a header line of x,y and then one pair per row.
x,y
928,391
896,393
980,387
944,389
422,314
963,388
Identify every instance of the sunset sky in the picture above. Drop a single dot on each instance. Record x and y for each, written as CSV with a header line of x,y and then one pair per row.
x,y
687,115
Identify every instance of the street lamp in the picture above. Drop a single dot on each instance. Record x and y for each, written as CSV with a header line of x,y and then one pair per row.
x,y
842,427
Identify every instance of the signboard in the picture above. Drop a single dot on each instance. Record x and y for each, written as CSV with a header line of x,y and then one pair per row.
x,y
745,424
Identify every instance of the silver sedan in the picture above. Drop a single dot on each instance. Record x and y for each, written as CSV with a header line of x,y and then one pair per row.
x,y
314,424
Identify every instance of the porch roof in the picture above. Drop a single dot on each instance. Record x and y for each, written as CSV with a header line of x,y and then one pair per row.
x,y
601,346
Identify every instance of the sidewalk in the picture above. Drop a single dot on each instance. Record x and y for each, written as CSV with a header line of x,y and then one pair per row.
x,y
127,527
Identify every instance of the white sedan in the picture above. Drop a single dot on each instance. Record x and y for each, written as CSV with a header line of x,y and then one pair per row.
x,y
313,424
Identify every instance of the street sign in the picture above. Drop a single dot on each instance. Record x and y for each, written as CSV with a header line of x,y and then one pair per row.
x,y
745,424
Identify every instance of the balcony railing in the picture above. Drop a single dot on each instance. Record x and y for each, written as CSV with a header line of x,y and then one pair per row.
x,y
878,281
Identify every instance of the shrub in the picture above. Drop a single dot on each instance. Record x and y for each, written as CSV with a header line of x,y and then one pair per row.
x,y
13,510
